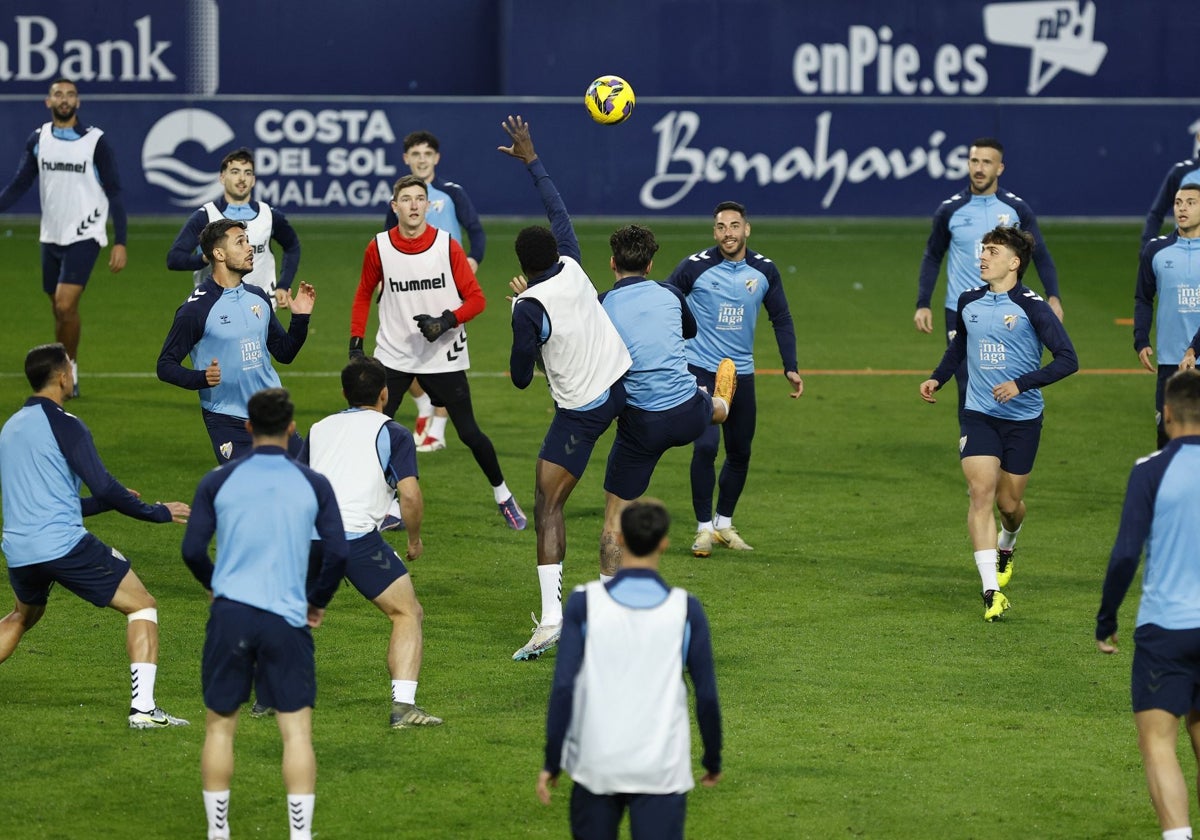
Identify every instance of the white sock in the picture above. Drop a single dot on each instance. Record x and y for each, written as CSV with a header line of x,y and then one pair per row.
x,y
985,561
501,493
300,813
404,691
550,581
141,685
723,402
704,526
722,522
606,578
1184,833
75,371
216,808
424,405
437,427
1008,539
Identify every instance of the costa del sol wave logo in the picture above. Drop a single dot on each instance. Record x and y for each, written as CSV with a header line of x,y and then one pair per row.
x,y
188,186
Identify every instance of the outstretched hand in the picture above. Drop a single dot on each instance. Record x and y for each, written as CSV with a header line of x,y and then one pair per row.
x,y
522,146
303,300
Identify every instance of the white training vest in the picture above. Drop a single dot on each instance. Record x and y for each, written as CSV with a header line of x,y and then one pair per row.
x,y
629,729
74,206
418,284
258,231
584,355
342,448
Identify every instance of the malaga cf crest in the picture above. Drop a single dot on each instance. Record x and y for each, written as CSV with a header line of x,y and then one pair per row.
x,y
751,285
257,310
1010,321
1004,219
227,449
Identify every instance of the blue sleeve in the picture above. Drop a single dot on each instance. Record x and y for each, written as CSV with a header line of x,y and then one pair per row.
x,y
75,442
1042,260
776,303
468,219
201,526
568,659
283,233
681,279
1143,298
106,169
285,344
1137,514
27,172
528,318
1054,336
1163,203
184,254
699,663
186,331
556,212
335,549
956,351
1195,345
935,251
402,462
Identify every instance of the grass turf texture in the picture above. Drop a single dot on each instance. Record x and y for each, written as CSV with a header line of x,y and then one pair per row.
x,y
863,695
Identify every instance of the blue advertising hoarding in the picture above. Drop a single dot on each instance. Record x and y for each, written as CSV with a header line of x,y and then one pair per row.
x,y
835,158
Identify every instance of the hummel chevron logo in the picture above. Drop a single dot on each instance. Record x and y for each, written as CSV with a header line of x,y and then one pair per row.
x,y
221,816
456,347
381,560
296,810
196,295
92,218
570,447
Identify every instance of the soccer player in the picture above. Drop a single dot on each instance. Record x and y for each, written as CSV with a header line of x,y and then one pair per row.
x,y
959,224
230,333
1000,329
418,269
558,320
1184,172
1169,269
1159,519
666,403
618,714
259,626
451,210
79,188
45,455
369,459
725,286
263,223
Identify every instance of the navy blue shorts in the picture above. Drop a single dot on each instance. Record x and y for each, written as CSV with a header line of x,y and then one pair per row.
x,y
231,441
596,816
245,646
573,434
92,570
373,565
71,264
643,437
1166,670
1014,442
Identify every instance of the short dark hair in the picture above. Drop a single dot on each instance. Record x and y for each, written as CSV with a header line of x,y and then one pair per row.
x,y
416,138
363,380
1182,393
633,247
536,249
643,525
270,411
1189,186
243,154
1019,241
406,182
214,234
735,206
988,143
63,80
44,362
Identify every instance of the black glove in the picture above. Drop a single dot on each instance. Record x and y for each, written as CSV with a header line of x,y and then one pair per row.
x,y
356,349
432,327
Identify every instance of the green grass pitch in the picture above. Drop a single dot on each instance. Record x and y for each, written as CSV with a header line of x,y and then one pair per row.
x,y
863,695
